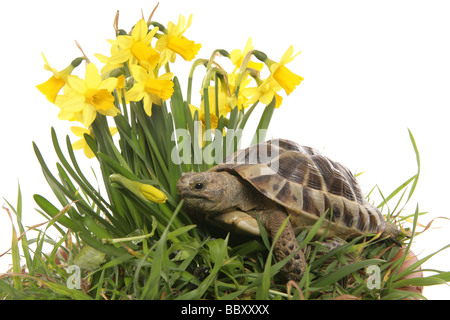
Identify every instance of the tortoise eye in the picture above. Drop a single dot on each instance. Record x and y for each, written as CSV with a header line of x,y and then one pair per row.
x,y
199,186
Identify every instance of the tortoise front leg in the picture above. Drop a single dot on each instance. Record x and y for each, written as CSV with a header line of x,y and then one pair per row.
x,y
285,245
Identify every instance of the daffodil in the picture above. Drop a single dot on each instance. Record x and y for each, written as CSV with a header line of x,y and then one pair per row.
x,y
222,108
120,87
57,81
228,97
214,121
82,99
236,98
285,77
237,57
174,42
114,62
264,92
141,190
150,88
81,143
134,49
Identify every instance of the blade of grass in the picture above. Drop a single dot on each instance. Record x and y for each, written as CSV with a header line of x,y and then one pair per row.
x,y
159,263
18,212
415,266
8,291
441,278
262,293
15,253
201,289
343,271
416,151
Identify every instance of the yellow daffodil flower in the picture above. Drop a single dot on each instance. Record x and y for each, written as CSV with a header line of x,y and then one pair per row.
x,y
175,43
201,116
151,193
57,81
237,57
82,99
150,88
226,97
134,49
264,92
82,144
202,119
223,110
285,77
241,100
141,190
111,63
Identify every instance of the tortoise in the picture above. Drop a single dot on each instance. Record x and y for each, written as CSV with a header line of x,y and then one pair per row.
x,y
277,179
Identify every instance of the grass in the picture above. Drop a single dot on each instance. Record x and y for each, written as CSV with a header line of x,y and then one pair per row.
x,y
112,243
179,260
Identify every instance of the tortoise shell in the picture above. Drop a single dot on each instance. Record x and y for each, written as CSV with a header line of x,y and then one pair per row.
x,y
308,185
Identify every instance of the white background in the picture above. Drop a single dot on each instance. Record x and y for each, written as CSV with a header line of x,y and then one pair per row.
x,y
372,70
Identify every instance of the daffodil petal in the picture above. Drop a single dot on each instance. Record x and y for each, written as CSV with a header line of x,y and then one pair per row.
x,y
77,84
148,105
113,130
140,30
89,114
136,93
88,152
139,73
72,103
45,59
287,54
80,144
189,22
93,78
148,38
161,44
278,100
110,112
108,84
124,42
166,76
193,108
267,97
120,57
64,115
102,58
112,42
79,131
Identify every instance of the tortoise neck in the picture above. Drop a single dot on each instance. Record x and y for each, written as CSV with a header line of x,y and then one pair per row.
x,y
243,196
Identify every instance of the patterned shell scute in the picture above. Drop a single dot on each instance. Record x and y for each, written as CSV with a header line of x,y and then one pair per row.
x,y
306,183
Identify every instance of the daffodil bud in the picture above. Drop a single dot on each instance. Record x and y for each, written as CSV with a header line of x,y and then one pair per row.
x,y
76,62
121,32
261,56
224,53
141,190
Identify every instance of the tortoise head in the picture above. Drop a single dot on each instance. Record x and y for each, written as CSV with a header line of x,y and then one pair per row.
x,y
208,192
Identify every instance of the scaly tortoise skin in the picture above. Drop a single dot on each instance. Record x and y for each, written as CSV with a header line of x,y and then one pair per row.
x,y
276,179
